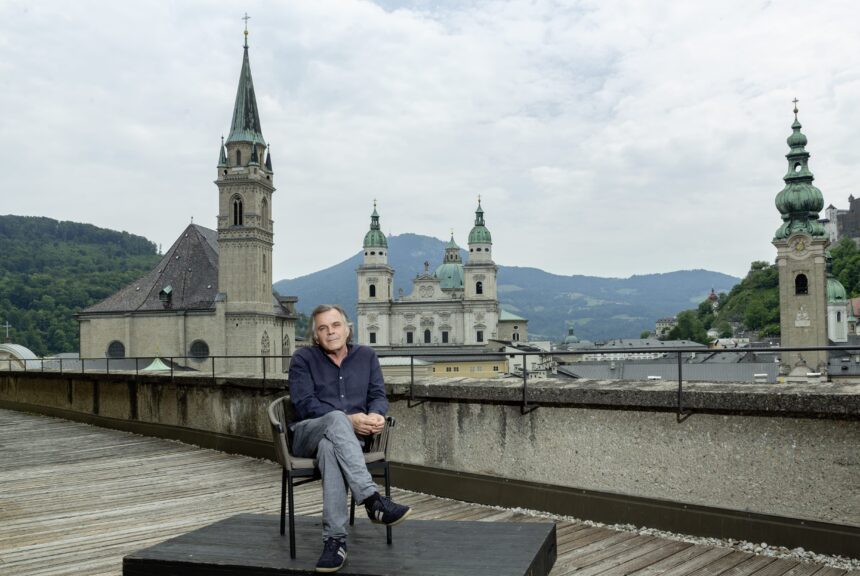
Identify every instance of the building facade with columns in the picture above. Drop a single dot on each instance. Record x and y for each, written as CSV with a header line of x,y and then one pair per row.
x,y
211,294
454,305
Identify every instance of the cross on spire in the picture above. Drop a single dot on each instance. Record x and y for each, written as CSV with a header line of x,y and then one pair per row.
x,y
795,107
246,18
6,326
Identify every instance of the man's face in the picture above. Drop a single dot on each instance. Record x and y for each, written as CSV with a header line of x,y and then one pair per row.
x,y
331,330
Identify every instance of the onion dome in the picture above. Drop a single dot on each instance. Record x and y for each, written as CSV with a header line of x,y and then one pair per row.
x,y
450,272
479,233
799,202
374,237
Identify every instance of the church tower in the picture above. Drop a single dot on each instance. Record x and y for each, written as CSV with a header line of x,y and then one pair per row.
x,y
481,308
801,242
245,229
375,278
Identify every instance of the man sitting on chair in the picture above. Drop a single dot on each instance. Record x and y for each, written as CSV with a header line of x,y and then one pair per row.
x,y
339,396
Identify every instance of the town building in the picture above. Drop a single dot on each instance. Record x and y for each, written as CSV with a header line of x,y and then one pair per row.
x,y
211,294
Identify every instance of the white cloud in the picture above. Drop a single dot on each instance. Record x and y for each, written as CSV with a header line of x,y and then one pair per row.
x,y
605,138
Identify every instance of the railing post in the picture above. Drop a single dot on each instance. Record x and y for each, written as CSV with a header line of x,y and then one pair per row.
x,y
410,402
680,387
171,368
107,365
264,372
61,364
525,408
213,368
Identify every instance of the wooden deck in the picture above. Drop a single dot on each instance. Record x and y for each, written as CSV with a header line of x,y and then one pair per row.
x,y
75,499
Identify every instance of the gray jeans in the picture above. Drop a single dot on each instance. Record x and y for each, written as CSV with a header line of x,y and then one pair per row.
x,y
332,440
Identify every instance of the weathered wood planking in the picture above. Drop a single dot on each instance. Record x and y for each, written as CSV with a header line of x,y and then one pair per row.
x,y
75,499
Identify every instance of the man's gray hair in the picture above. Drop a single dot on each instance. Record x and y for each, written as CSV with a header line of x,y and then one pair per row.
x,y
312,328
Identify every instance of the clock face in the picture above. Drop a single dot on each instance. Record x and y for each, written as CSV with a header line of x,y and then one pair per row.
x,y
800,245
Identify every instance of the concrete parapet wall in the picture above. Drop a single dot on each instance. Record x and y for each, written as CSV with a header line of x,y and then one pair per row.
x,y
785,450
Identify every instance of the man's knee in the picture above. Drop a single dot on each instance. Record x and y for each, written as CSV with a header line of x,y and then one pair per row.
x,y
337,420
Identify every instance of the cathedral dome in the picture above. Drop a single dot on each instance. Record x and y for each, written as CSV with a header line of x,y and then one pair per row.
x,y
835,291
571,338
375,238
450,275
480,234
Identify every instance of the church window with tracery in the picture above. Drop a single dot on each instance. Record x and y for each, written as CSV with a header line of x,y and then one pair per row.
x,y
238,212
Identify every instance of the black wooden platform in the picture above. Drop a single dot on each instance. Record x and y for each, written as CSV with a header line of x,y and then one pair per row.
x,y
250,544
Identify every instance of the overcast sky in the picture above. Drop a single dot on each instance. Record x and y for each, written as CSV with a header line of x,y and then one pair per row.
x,y
604,138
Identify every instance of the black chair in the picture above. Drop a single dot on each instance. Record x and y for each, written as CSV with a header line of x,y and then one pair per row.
x,y
296,471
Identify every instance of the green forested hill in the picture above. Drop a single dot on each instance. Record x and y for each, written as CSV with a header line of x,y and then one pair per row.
x,y
754,302
50,270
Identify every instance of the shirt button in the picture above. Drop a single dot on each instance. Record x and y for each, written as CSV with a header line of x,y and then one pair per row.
x,y
341,395
341,377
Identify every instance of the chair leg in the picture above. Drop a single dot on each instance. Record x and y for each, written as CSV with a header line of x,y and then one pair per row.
x,y
292,519
283,498
387,495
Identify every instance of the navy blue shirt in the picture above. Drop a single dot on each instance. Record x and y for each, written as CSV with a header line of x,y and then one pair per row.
x,y
319,386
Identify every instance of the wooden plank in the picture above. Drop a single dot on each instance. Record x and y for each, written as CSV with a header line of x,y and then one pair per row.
x,y
685,567
778,567
666,549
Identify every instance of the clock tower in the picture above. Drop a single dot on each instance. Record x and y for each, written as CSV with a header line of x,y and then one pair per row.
x,y
800,243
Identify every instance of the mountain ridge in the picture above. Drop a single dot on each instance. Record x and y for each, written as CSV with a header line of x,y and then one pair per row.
x,y
598,308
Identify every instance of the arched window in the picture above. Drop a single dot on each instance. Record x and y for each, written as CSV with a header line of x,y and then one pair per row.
x,y
199,350
264,263
238,157
839,316
801,284
479,287
116,349
373,290
265,214
516,337
427,336
238,212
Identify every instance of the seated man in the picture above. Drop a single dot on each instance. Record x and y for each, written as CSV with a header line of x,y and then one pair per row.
x,y
339,395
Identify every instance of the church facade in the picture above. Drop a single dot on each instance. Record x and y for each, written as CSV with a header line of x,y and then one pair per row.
x,y
454,305
211,293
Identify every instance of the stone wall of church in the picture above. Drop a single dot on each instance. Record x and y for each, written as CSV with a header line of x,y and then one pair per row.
x,y
802,300
147,335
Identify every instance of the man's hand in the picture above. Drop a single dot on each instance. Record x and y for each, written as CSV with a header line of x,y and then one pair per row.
x,y
367,424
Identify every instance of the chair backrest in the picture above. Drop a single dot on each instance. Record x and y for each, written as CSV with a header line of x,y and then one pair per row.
x,y
281,413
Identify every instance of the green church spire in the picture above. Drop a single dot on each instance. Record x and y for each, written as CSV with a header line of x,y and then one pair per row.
x,y
374,237
246,119
222,157
799,202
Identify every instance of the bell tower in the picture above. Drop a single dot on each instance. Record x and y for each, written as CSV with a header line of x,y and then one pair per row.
x,y
481,306
245,189
375,283
800,243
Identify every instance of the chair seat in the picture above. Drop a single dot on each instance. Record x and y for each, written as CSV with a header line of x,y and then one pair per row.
x,y
310,463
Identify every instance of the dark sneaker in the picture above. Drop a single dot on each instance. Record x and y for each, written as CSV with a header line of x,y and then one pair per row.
x,y
385,511
333,556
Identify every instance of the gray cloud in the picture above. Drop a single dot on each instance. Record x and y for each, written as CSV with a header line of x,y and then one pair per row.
x,y
605,138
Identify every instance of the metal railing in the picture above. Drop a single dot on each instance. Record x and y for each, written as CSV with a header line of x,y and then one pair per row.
x,y
526,404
